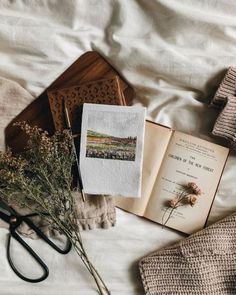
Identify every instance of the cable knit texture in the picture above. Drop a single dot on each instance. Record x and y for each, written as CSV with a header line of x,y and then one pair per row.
x,y
225,125
97,211
225,98
203,264
227,88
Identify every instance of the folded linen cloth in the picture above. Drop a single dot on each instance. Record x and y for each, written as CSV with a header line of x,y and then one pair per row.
x,y
203,263
225,99
97,211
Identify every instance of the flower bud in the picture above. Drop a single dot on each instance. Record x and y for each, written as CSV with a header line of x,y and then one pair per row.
x,y
194,188
172,203
192,200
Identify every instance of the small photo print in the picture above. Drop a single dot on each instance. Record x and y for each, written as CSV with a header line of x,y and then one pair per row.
x,y
107,146
111,149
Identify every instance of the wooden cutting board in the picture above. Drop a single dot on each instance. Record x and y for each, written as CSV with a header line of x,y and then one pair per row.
x,y
90,66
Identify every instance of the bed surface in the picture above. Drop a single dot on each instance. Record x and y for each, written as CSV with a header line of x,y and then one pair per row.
x,y
174,54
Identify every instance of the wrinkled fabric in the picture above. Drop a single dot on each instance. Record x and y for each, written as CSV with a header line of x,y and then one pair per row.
x,y
201,264
174,53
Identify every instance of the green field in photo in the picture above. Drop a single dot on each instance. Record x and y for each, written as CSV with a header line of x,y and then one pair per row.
x,y
100,145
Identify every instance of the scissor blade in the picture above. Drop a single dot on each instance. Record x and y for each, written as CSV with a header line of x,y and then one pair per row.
x,y
4,208
5,211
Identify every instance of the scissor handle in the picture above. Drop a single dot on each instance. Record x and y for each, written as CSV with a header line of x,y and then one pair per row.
x,y
32,253
15,220
38,231
18,219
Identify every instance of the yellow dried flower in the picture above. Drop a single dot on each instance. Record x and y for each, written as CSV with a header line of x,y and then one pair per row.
x,y
7,175
192,200
29,130
42,181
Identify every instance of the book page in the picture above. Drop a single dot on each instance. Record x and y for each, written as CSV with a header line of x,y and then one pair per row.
x,y
156,141
187,159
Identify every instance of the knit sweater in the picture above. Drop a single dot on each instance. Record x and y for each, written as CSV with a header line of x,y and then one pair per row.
x,y
227,88
225,98
203,264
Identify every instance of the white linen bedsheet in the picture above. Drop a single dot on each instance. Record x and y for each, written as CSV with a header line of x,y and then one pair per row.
x,y
174,53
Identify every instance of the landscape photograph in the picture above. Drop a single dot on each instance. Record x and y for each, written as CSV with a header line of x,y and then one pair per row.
x,y
104,146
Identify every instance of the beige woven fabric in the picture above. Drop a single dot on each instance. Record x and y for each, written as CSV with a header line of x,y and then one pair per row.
x,y
203,264
97,211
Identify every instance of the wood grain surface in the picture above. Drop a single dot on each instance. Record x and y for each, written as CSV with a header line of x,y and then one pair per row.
x,y
90,66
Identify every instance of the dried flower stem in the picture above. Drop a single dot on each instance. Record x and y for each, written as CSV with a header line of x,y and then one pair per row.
x,y
40,180
187,196
180,198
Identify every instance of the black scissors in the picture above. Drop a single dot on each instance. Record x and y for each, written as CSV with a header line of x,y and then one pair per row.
x,y
14,219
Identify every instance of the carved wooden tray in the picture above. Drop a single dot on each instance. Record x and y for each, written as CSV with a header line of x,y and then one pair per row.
x,y
90,66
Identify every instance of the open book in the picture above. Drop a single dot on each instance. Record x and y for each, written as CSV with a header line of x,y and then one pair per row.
x,y
171,160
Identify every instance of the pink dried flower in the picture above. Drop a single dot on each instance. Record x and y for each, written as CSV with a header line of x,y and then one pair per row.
x,y
172,203
194,188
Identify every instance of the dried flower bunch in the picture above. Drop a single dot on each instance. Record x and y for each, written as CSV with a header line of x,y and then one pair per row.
x,y
40,179
188,196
